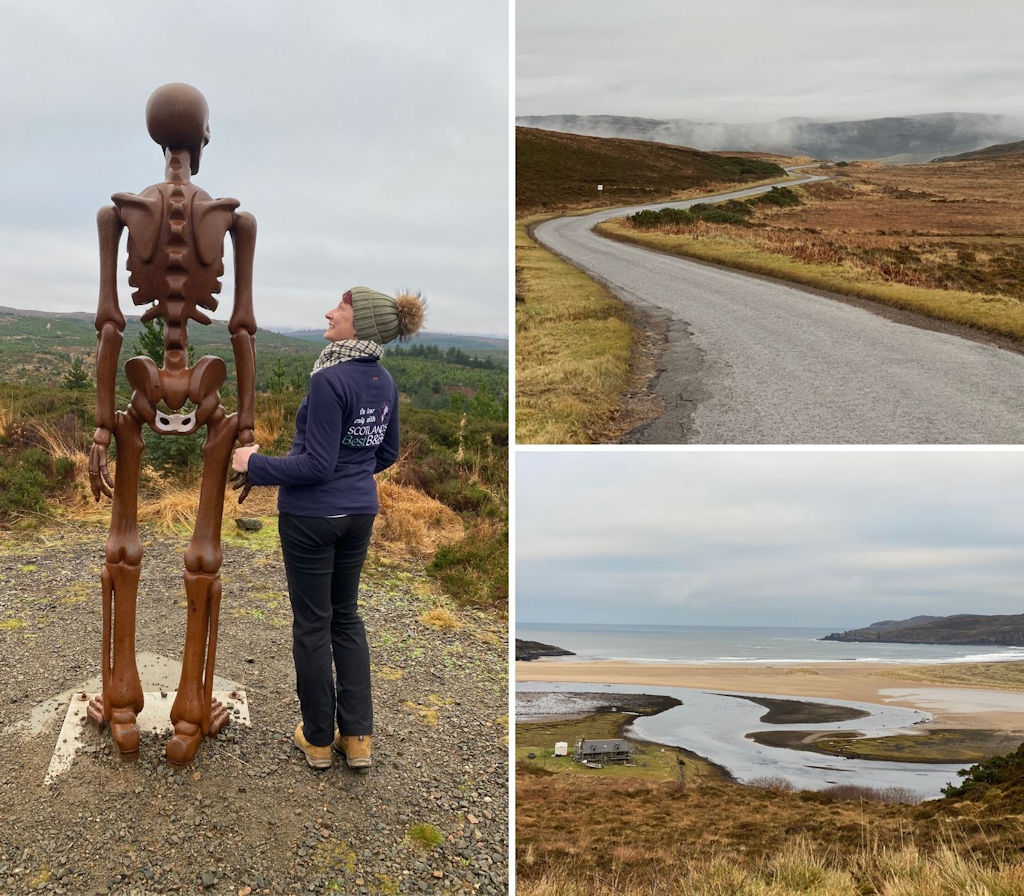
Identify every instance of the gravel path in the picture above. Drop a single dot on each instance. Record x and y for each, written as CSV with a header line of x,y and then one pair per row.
x,y
249,816
752,360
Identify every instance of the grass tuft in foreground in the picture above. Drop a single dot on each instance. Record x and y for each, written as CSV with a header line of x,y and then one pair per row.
x,y
797,871
574,342
715,838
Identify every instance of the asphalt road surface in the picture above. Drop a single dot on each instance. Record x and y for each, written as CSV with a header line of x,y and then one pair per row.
x,y
753,361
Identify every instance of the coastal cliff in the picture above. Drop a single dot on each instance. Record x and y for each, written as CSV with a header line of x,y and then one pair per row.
x,y
964,628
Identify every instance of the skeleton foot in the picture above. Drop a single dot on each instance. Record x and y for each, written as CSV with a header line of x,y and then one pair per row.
x,y
122,727
125,732
95,711
181,749
219,717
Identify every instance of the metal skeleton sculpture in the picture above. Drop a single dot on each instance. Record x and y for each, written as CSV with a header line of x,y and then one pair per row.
x,y
175,255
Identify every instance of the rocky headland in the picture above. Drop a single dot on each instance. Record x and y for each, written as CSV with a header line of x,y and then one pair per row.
x,y
963,628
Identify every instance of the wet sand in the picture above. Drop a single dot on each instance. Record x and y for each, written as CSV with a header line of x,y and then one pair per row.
x,y
949,706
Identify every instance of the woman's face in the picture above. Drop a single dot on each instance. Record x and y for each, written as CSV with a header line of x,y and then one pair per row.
x,y
340,324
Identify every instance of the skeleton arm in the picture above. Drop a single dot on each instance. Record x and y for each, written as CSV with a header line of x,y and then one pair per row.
x,y
110,335
242,327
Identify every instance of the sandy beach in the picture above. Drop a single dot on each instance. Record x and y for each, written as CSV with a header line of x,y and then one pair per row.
x,y
950,706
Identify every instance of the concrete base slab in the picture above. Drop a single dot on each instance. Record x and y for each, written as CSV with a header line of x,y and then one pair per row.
x,y
155,718
159,676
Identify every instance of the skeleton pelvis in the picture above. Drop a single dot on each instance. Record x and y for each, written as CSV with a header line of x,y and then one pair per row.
x,y
152,386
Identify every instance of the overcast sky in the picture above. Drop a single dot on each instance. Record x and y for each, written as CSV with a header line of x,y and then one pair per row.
x,y
369,140
751,61
835,539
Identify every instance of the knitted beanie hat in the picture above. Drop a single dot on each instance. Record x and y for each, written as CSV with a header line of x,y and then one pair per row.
x,y
381,318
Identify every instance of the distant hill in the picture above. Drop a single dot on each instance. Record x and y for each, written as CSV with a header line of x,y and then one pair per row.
x,y
37,346
557,170
999,151
471,345
907,139
964,628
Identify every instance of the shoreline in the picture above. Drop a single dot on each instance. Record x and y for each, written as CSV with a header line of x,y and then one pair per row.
x,y
950,705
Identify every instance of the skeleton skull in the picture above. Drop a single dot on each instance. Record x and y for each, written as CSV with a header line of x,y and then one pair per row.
x,y
178,117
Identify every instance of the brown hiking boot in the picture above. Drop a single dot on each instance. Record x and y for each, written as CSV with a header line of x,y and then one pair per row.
x,y
356,750
317,757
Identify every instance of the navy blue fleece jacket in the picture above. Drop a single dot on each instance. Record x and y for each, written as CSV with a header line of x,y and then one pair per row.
x,y
346,430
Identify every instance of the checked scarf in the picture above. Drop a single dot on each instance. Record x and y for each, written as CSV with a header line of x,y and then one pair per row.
x,y
346,350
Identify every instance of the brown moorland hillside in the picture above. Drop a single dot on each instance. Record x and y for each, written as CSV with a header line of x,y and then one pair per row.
x,y
987,152
955,225
555,170
669,837
942,239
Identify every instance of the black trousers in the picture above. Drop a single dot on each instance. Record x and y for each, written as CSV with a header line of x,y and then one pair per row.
x,y
323,559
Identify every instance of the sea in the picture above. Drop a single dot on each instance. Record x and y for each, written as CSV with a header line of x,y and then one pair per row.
x,y
742,644
715,725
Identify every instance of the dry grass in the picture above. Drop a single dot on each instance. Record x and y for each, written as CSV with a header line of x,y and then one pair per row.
x,y
274,417
633,837
945,240
1004,676
440,618
574,342
411,522
8,412
798,871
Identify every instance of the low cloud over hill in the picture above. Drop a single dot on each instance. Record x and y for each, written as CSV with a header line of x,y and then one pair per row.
x,y
914,138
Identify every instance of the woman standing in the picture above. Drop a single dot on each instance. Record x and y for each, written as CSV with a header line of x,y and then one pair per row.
x,y
346,430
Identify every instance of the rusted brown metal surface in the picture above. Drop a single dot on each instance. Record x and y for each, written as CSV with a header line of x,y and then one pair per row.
x,y
175,256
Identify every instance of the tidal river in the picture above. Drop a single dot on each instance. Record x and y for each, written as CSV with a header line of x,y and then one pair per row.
x,y
716,725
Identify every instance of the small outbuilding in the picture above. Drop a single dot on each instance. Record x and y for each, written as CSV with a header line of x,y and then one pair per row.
x,y
561,748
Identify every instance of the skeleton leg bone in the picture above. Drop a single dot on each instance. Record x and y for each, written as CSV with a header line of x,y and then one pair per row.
x,y
194,713
122,700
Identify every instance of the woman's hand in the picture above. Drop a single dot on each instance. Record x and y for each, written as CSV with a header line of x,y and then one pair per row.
x,y
240,459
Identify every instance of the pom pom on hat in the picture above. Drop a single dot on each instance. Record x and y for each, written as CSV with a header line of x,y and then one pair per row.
x,y
381,318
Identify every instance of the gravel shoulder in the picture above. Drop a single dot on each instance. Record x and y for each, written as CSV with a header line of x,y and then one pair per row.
x,y
249,816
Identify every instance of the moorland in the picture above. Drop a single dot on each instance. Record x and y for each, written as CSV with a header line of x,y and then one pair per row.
x,y
935,245
249,816
579,349
672,822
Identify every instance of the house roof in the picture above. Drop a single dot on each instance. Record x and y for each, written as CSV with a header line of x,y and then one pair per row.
x,y
616,745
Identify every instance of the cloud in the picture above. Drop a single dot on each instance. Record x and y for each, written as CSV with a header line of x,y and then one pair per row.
x,y
743,61
767,537
370,143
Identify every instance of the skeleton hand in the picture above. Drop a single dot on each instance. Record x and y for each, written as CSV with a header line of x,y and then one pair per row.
x,y
99,475
240,483
240,464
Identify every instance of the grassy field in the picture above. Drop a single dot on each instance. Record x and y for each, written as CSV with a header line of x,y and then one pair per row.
x,y
574,347
652,762
945,239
